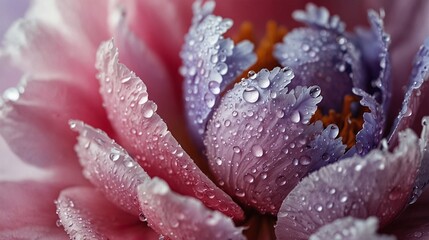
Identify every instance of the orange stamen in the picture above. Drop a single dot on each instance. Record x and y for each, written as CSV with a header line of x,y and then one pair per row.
x,y
349,125
264,49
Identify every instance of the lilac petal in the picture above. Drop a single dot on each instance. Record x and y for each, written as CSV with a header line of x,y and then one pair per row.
x,y
324,58
423,177
415,94
109,167
379,184
319,18
146,136
181,217
371,133
84,213
210,64
351,229
259,141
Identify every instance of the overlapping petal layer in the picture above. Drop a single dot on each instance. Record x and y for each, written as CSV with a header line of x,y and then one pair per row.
x,y
259,141
379,184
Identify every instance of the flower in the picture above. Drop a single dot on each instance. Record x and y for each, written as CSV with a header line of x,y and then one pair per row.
x,y
271,141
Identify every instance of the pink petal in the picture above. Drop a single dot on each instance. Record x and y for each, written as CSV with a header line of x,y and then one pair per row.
x,y
145,135
141,59
413,224
21,219
379,184
34,121
109,167
181,217
86,214
351,229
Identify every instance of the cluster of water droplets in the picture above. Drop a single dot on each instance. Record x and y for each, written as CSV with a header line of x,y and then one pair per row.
x,y
211,63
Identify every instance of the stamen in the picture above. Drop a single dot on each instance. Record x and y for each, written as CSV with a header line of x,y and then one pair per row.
x,y
264,49
350,120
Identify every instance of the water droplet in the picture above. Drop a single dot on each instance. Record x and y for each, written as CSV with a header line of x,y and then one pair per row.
x,y
114,154
281,180
315,92
257,151
251,94
58,223
218,161
289,74
236,149
264,82
214,87
305,47
333,131
11,94
280,113
143,98
251,74
418,234
304,160
358,167
239,193
209,99
318,207
149,109
264,175
249,178
227,123
129,163
295,117
126,79
332,191
343,198
222,68
142,217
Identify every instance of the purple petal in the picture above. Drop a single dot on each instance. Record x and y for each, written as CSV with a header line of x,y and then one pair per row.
x,y
323,56
319,18
423,176
109,167
351,229
379,184
259,141
210,64
417,90
181,217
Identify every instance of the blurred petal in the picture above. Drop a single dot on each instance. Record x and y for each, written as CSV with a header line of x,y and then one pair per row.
x,y
379,184
322,54
413,223
109,167
34,120
415,95
145,135
351,229
259,141
210,64
21,219
423,175
86,214
181,217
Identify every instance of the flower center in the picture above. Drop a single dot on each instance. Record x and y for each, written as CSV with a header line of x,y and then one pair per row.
x,y
274,33
349,120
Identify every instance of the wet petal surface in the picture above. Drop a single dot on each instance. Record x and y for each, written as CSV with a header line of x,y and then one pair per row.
x,y
210,64
260,143
84,213
182,217
109,167
351,229
146,137
380,184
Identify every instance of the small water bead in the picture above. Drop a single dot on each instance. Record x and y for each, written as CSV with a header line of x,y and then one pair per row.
x,y
114,154
318,207
252,74
264,82
222,68
227,123
304,160
315,92
344,198
257,151
280,113
214,87
209,99
149,109
249,178
142,217
218,161
236,149
295,117
288,73
126,79
251,94
333,131
281,180
240,193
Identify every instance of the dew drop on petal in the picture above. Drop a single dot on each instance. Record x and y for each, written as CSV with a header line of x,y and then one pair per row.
x,y
315,92
251,94
252,74
295,117
257,151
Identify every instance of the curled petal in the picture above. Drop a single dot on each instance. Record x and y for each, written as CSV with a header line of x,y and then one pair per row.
x,y
351,229
323,57
379,184
109,167
86,214
259,141
417,90
146,137
210,64
181,217
423,177
319,17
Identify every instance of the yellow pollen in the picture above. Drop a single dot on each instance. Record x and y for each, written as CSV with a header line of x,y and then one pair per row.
x,y
349,125
264,48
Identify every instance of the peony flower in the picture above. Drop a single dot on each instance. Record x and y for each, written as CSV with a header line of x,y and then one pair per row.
x,y
302,146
